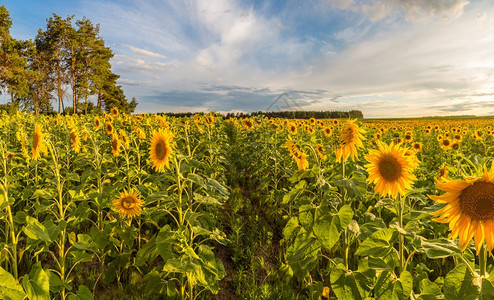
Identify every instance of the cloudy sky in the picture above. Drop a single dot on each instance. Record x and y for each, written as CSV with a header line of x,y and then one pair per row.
x,y
387,58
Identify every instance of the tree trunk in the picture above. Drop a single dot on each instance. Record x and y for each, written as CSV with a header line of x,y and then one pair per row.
x,y
100,96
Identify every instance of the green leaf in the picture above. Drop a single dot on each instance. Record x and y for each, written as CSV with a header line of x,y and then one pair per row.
x,y
315,290
345,215
350,187
459,284
207,200
80,256
152,283
388,287
99,237
73,177
379,244
439,248
305,216
10,289
83,293
344,284
302,255
164,242
37,231
429,290
328,227
295,192
290,228
147,253
85,242
38,287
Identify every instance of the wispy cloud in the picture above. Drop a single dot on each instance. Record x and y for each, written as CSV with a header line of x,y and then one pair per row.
x,y
145,52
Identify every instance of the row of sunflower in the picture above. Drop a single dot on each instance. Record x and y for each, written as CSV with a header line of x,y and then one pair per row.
x,y
111,206
348,209
363,209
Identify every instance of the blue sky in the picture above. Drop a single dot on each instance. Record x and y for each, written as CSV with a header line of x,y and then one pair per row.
x,y
387,58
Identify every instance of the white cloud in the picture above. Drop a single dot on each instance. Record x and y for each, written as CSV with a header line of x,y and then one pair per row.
x,y
379,63
377,10
145,52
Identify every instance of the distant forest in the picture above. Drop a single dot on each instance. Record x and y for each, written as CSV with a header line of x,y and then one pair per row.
x,y
62,63
352,114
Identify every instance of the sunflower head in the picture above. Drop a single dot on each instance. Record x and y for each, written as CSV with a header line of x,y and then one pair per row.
x,y
160,149
417,146
350,140
328,131
292,128
109,128
391,169
445,144
247,124
114,112
469,208
128,204
97,123
442,173
115,145
75,140
38,142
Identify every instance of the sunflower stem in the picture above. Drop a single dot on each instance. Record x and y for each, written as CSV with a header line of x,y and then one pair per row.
x,y
483,260
401,204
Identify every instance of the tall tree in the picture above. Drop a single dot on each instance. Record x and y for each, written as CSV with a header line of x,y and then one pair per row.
x,y
41,83
88,38
5,24
54,42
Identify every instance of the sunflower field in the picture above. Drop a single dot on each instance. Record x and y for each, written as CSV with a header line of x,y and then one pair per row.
x,y
118,206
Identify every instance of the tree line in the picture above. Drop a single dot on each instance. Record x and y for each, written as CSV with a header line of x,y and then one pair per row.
x,y
64,62
352,114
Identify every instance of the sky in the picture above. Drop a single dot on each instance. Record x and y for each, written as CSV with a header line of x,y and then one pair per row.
x,y
387,58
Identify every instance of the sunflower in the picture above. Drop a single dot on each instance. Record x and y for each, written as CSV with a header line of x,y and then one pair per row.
x,y
115,145
75,140
292,128
97,123
320,151
445,144
109,128
350,139
299,156
38,142
84,132
442,173
417,146
328,131
390,169
128,204
301,159
114,112
309,129
408,137
469,209
247,124
125,138
160,149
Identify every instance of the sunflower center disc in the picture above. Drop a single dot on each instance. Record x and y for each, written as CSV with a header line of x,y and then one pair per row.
x,y
36,139
160,149
477,201
128,202
390,168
